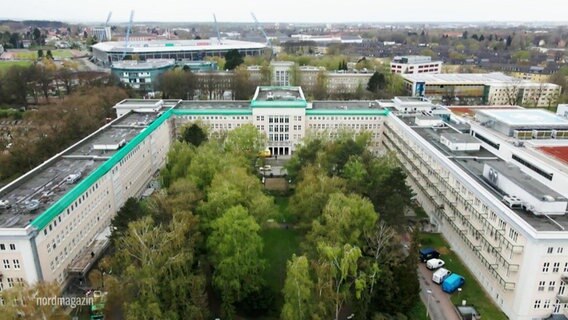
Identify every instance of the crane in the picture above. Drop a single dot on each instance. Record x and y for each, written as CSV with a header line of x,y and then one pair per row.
x,y
108,18
217,29
260,28
128,34
268,42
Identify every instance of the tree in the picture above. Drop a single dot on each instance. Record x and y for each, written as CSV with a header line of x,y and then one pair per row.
x,y
193,134
24,301
345,219
246,141
312,194
320,89
39,53
341,272
233,59
37,36
242,87
298,290
131,211
235,250
465,34
49,55
376,83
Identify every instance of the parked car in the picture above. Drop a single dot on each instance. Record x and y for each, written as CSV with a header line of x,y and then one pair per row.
x,y
435,263
428,253
452,283
440,275
5,204
265,168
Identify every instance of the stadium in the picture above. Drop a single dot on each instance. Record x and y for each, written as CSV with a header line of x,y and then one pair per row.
x,y
180,50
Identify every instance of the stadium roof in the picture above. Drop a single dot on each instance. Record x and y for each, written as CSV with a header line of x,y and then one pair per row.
x,y
176,45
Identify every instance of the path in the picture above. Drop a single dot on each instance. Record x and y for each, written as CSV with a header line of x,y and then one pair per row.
x,y
441,307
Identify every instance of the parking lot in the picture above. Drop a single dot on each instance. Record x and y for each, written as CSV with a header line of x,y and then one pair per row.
x,y
437,302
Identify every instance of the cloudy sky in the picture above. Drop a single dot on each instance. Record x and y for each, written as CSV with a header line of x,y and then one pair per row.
x,y
288,10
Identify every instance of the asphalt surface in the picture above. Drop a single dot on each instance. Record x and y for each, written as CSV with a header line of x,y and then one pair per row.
x,y
440,307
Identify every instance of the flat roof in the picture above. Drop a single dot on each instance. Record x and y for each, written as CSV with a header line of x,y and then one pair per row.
x,y
278,97
46,183
176,45
525,117
472,163
459,137
469,78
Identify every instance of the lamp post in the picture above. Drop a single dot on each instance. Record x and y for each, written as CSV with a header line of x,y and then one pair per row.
x,y
429,292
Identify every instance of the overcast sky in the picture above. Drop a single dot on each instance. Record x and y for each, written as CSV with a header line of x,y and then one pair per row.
x,y
288,10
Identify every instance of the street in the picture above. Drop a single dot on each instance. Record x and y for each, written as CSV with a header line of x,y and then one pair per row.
x,y
440,307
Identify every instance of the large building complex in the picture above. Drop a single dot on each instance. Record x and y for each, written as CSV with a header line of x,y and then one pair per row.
x,y
53,220
179,50
481,89
500,201
494,181
415,64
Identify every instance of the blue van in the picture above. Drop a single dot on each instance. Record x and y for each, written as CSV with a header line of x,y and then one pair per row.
x,y
428,253
452,283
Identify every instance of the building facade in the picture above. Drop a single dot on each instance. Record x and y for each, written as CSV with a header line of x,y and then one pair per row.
x,y
141,75
502,207
415,64
481,89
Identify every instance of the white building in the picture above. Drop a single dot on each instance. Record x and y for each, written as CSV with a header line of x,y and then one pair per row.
x,y
54,219
102,33
501,203
415,64
481,89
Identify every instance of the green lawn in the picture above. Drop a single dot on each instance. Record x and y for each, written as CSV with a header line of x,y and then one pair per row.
x,y
472,291
32,54
283,214
5,65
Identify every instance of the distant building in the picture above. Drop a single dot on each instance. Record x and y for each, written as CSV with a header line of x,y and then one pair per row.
x,y
180,50
198,66
481,89
141,75
336,81
415,64
102,33
562,110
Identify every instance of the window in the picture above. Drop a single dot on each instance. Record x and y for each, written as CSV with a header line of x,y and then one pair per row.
x,y
2,247
12,246
537,304
541,285
533,167
16,264
555,267
6,263
566,267
10,282
550,250
551,285
546,304
513,235
545,266
559,250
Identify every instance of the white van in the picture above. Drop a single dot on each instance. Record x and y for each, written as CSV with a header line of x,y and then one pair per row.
x,y
440,275
433,264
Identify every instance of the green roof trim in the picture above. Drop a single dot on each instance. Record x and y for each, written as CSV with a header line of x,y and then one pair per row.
x,y
205,112
278,104
58,207
348,112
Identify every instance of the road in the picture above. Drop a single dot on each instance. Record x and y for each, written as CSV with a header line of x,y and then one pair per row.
x,y
440,306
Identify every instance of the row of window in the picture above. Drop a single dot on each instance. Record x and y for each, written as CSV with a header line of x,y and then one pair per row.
x,y
550,250
555,267
7,266
11,245
11,282
343,118
324,126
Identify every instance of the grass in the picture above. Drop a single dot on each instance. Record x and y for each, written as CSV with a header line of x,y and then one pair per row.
x,y
5,65
32,54
284,215
418,312
472,291
279,245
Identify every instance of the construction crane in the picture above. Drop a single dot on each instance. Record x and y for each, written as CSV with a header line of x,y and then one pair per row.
x,y
258,26
217,29
128,29
268,42
108,18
